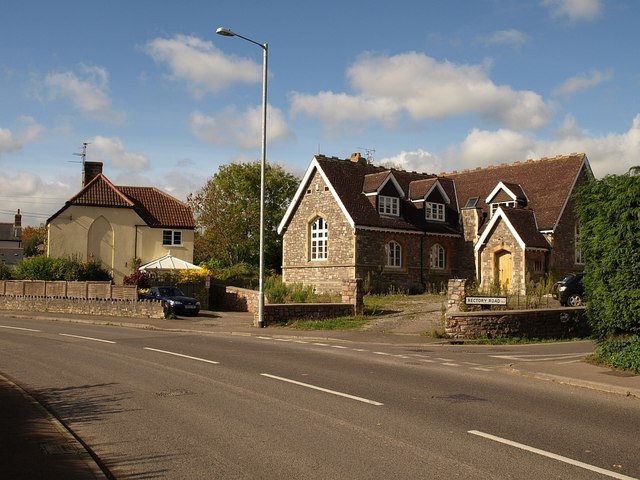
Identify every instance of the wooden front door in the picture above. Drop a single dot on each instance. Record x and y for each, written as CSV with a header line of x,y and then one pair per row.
x,y
504,269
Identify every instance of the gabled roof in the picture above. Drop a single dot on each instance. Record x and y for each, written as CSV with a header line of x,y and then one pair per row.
x,y
522,224
8,232
513,190
156,208
168,262
548,184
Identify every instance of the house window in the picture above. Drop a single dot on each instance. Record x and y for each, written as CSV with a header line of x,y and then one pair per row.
x,y
394,254
389,205
437,260
434,211
494,206
578,251
538,266
318,245
171,237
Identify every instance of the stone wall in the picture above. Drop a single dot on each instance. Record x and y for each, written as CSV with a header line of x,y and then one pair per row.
x,y
325,275
56,289
540,323
80,306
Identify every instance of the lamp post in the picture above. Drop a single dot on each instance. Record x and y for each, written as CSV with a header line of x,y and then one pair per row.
x,y
225,32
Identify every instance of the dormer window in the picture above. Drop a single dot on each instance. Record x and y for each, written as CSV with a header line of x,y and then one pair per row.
x,y
388,205
494,206
434,211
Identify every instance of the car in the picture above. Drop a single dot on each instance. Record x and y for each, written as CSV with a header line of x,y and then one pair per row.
x,y
174,300
570,290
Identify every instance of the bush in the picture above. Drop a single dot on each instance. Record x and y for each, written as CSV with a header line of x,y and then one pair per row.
x,y
622,353
5,272
275,290
50,269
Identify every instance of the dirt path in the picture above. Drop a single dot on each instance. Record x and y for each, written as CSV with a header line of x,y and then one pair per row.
x,y
410,315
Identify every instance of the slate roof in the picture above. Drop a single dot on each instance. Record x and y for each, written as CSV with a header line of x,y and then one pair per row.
x,y
156,208
7,232
523,221
547,184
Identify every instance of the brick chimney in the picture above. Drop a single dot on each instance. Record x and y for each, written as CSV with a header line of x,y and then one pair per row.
x,y
358,158
91,170
17,225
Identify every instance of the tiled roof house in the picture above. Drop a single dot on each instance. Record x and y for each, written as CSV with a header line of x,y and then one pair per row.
x,y
11,250
117,224
505,224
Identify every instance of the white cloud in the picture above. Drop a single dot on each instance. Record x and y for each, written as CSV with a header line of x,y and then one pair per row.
x,y
29,132
611,153
242,129
425,89
511,37
201,65
111,151
582,82
576,10
414,161
88,91
36,198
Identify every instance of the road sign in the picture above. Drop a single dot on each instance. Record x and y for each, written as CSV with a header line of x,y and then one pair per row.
x,y
485,300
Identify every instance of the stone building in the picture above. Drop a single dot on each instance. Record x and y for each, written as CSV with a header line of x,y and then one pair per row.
x,y
500,225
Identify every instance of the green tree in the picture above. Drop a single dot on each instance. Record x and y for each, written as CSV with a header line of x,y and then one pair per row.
x,y
227,211
609,215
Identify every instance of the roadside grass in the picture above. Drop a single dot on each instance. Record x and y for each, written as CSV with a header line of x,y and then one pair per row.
x,y
338,323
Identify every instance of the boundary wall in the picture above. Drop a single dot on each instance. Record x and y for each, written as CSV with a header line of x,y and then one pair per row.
x,y
563,322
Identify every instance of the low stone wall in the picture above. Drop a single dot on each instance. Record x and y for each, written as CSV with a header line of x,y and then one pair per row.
x,y
280,313
57,289
540,323
241,300
112,308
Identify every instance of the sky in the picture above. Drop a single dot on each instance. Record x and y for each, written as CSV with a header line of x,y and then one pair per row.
x,y
427,85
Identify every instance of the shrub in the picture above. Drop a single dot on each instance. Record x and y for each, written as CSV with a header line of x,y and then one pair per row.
x,y
5,272
275,290
69,269
622,352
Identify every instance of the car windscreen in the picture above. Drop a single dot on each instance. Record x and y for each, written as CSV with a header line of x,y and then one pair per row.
x,y
170,292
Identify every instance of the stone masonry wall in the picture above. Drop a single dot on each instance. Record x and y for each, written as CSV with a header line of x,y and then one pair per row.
x,y
111,308
502,239
326,275
541,323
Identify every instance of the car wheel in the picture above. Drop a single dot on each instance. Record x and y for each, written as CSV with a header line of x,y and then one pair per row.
x,y
574,300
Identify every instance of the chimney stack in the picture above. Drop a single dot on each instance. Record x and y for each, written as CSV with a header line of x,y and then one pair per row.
x,y
17,225
91,170
357,158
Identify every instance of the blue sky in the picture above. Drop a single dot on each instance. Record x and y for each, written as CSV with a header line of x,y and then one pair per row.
x,y
432,85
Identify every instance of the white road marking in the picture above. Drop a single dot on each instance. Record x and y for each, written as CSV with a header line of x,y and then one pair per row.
x,y
450,364
427,360
264,338
444,359
482,369
182,355
325,390
553,456
320,344
86,338
339,346
20,328
381,353
541,358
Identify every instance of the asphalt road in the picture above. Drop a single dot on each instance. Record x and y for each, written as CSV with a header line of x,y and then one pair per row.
x,y
176,405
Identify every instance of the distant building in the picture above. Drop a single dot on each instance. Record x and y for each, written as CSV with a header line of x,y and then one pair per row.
x,y
11,251
117,224
502,225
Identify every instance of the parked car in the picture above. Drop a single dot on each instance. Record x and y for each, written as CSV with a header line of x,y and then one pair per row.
x,y
570,290
174,300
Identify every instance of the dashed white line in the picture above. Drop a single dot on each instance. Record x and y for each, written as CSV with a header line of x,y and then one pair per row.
x,y
86,338
320,344
325,390
20,328
339,346
551,455
182,355
451,364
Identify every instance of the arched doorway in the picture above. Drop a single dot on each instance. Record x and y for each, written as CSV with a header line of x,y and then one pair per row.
x,y
100,242
503,272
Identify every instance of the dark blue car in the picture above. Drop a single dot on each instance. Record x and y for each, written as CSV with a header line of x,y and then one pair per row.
x,y
570,290
174,300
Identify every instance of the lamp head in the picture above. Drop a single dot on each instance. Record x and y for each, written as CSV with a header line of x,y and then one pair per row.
x,y
225,32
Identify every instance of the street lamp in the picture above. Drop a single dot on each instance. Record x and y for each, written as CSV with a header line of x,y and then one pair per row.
x,y
225,32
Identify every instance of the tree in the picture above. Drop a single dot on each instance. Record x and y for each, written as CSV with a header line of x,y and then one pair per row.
x,y
609,215
227,211
34,240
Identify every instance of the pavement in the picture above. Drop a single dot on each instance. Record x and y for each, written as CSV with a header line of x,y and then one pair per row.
x,y
35,445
